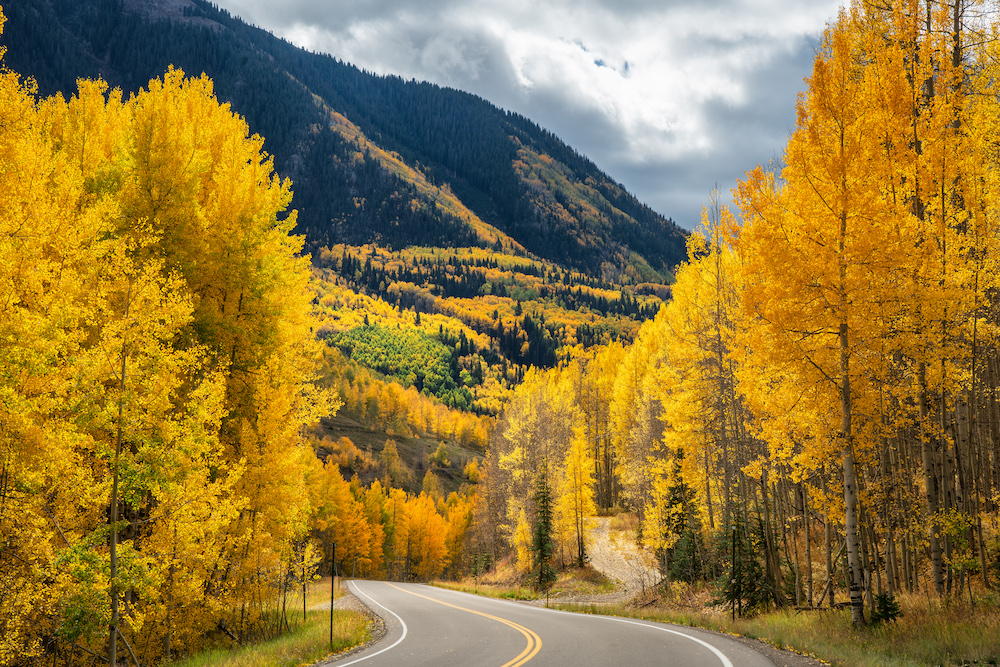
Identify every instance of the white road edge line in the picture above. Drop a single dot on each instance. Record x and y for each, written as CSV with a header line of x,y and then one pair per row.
x,y
719,654
352,662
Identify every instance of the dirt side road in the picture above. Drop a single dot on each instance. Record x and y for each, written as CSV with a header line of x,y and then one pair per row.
x,y
620,558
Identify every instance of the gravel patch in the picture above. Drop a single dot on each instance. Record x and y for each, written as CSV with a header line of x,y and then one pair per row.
x,y
631,568
620,559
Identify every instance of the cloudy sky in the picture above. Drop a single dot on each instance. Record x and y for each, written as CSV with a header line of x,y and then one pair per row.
x,y
670,97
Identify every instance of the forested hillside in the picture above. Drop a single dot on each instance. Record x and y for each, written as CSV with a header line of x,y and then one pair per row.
x,y
164,475
814,415
489,316
474,225
374,159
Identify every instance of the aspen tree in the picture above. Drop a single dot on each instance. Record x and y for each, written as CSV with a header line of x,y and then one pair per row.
x,y
427,546
457,511
47,257
575,500
636,426
534,434
981,192
695,382
823,251
374,502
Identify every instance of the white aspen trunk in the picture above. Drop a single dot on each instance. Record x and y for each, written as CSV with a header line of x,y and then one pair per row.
x,y
931,490
806,522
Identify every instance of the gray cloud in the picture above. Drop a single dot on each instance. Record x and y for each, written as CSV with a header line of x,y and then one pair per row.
x,y
670,98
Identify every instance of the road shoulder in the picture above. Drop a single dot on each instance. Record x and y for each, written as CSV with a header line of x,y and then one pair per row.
x,y
350,602
780,657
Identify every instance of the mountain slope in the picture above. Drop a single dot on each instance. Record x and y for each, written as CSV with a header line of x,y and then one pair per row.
x,y
373,159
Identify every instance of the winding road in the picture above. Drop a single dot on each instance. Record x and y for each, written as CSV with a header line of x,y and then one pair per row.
x,y
433,626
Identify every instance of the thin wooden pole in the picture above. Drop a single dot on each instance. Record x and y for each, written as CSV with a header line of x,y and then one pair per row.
x,y
304,581
333,586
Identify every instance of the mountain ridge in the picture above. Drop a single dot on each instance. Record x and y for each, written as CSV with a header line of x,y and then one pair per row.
x,y
436,166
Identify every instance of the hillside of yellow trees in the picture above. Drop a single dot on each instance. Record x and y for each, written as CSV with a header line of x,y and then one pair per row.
x,y
814,414
159,480
469,321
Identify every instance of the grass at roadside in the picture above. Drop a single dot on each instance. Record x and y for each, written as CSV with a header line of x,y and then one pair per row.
x,y
490,590
306,643
929,633
572,582
581,581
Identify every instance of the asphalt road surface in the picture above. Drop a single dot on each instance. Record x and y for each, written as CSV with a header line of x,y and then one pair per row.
x,y
433,626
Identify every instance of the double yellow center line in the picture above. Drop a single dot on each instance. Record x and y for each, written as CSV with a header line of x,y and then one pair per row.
x,y
534,641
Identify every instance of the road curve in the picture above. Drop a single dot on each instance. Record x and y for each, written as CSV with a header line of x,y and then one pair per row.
x,y
433,626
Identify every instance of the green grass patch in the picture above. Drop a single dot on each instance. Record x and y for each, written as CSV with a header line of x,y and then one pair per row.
x,y
410,356
490,590
306,643
581,581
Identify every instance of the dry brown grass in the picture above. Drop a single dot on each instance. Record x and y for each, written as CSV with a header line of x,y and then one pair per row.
x,y
626,522
930,632
504,582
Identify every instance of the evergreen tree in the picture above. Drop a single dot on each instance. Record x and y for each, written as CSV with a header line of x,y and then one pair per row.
x,y
744,587
684,561
542,545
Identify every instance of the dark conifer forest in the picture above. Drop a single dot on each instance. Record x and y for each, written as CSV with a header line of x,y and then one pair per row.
x,y
505,169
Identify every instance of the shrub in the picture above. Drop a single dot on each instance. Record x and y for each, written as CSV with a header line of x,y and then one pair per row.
x,y
885,610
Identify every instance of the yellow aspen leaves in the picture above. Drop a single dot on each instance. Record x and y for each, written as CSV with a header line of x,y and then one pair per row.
x,y
154,297
575,500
